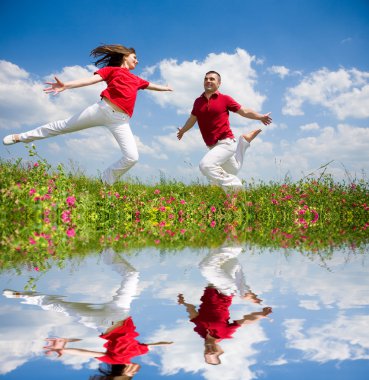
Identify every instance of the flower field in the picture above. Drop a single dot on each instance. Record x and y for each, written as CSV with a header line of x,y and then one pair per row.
x,y
48,214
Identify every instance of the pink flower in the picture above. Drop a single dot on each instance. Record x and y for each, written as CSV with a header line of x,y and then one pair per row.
x,y
36,269
36,164
157,241
65,216
213,223
71,232
157,191
71,201
182,231
182,201
213,209
32,191
32,241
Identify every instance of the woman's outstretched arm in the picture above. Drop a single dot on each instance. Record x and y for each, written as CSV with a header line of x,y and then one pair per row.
x,y
59,86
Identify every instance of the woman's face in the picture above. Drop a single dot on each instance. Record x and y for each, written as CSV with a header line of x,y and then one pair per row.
x,y
130,61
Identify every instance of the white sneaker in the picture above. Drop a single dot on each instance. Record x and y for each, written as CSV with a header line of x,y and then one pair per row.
x,y
9,140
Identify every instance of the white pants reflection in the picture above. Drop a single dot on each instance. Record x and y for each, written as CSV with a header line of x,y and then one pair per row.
x,y
89,314
222,270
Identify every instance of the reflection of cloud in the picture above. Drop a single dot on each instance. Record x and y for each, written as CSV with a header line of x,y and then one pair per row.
x,y
19,343
342,339
309,304
187,352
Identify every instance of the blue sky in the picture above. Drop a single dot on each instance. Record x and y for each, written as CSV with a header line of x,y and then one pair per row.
x,y
305,61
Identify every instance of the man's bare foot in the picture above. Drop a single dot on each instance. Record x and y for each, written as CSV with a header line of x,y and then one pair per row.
x,y
251,135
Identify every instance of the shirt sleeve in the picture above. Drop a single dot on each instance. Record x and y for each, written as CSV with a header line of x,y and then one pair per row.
x,y
232,105
142,83
194,109
104,72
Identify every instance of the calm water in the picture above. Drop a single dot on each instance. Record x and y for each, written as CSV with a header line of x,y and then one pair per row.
x,y
318,328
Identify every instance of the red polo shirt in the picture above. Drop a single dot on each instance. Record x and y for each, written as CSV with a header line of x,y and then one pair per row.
x,y
213,315
213,116
122,87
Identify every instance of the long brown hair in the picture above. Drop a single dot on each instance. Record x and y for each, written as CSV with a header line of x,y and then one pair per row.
x,y
111,55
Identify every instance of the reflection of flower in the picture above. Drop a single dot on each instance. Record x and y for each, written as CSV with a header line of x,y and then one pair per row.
x,y
306,216
65,216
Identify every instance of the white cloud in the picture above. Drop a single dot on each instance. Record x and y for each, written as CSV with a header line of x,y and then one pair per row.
x,y
23,102
95,143
310,127
345,144
186,78
309,304
237,360
154,150
281,71
344,92
341,339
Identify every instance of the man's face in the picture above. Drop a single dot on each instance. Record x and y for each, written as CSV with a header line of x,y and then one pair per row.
x,y
211,82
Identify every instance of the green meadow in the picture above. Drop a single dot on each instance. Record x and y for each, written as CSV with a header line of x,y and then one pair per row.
x,y
49,214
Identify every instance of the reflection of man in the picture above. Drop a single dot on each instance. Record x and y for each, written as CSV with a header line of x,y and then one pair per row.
x,y
89,314
212,319
211,111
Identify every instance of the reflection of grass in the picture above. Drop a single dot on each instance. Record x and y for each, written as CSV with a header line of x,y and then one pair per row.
x,y
47,214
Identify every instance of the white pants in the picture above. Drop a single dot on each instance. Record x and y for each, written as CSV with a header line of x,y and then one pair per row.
x,y
222,270
223,162
99,114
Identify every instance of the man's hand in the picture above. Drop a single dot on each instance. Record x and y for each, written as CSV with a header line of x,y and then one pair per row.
x,y
181,300
180,133
266,119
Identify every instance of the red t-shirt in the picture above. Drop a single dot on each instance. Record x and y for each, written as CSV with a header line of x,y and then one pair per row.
x,y
122,87
213,116
213,317
121,345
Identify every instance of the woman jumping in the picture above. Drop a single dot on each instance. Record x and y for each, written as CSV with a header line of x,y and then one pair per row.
x,y
113,111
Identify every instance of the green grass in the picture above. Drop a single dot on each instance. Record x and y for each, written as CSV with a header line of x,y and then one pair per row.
x,y
48,214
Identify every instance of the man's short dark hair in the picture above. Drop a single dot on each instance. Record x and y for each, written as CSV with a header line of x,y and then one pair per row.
x,y
214,72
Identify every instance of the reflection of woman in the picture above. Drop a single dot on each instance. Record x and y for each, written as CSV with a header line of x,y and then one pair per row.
x,y
120,347
91,314
212,319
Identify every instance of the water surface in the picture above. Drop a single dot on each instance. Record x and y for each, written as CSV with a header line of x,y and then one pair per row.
x,y
318,328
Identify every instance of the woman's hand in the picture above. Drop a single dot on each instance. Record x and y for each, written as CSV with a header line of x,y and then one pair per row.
x,y
55,87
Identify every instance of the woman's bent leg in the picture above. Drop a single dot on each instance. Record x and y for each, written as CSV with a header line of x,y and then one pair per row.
x,y
127,144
